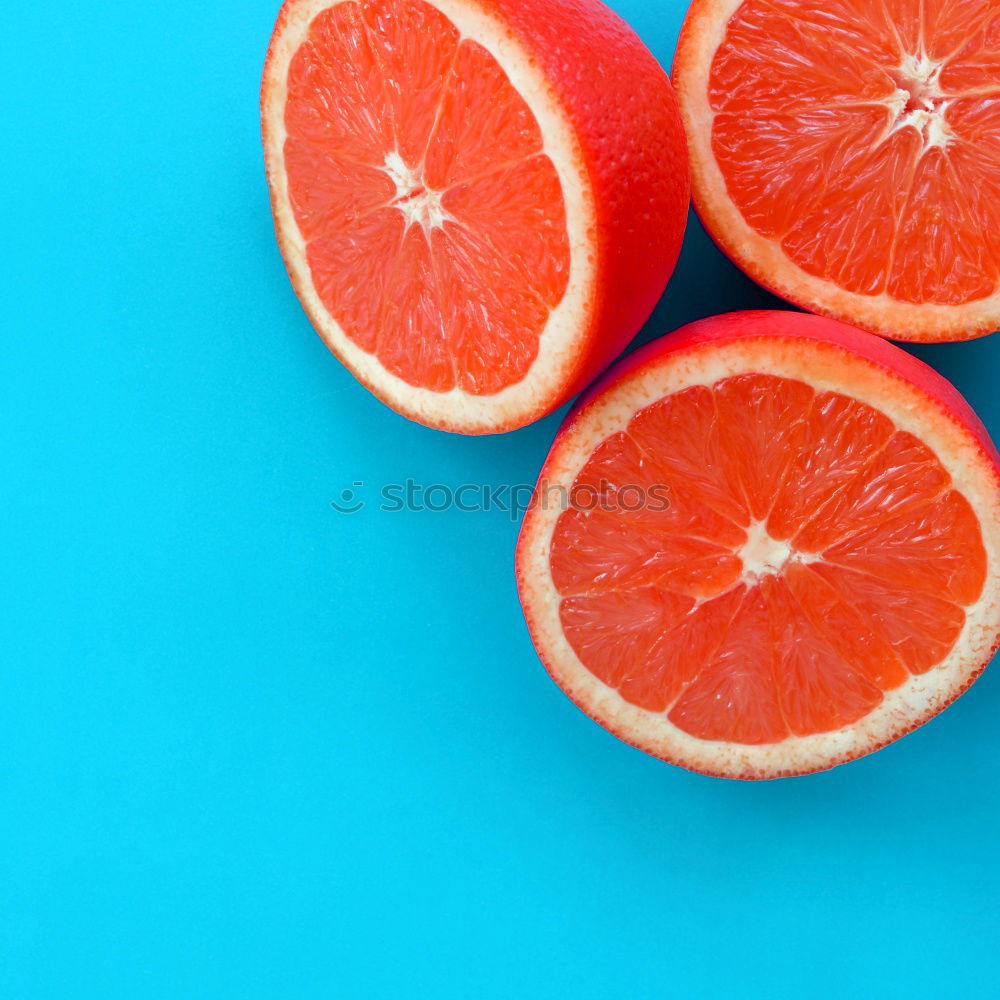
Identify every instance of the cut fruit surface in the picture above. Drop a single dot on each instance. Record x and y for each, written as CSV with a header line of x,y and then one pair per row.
x,y
765,545
477,206
846,154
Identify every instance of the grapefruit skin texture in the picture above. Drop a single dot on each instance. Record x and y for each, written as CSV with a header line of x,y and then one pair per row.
x,y
767,265
631,152
942,400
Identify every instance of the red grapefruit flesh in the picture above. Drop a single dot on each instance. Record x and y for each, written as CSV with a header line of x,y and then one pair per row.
x,y
846,154
823,576
478,201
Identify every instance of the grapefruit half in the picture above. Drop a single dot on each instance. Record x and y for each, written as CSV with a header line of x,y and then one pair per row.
x,y
765,545
479,202
846,154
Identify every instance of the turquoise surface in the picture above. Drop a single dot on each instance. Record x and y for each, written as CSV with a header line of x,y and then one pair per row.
x,y
252,747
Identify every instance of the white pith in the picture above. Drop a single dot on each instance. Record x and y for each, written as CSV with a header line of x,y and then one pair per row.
x,y
763,555
419,204
921,79
824,367
567,324
763,258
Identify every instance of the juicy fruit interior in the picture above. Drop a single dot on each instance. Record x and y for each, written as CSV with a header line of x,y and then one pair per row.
x,y
810,558
864,137
434,222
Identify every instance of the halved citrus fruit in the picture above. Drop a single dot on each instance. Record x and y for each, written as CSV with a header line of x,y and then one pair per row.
x,y
846,154
479,202
765,545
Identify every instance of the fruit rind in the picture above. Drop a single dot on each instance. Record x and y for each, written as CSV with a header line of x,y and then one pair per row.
x,y
827,355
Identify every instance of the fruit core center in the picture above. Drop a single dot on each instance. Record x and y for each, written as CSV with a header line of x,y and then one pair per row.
x,y
761,554
418,203
918,101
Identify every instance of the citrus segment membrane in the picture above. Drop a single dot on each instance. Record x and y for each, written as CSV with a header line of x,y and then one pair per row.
x,y
812,558
864,139
434,221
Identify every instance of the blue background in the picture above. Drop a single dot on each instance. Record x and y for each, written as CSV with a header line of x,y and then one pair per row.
x,y
250,747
